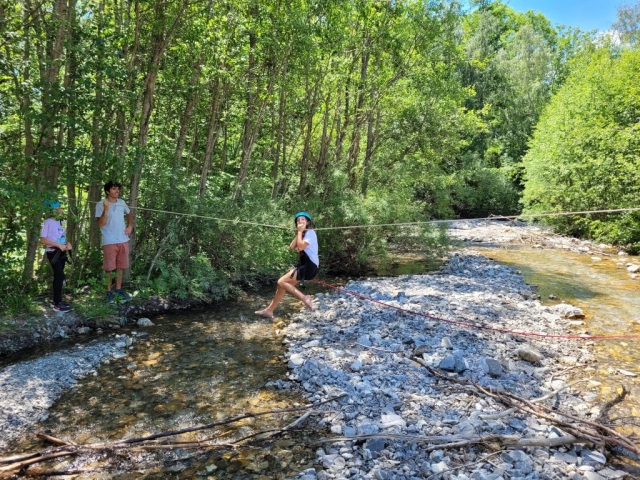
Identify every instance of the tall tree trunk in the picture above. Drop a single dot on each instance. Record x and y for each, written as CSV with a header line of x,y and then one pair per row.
x,y
123,128
47,164
312,104
185,121
71,72
247,143
371,140
97,150
281,147
325,139
359,117
212,135
160,43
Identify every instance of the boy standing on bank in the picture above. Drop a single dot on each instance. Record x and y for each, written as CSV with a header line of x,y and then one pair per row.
x,y
110,215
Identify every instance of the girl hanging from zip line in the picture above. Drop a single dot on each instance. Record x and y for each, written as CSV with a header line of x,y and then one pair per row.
x,y
306,243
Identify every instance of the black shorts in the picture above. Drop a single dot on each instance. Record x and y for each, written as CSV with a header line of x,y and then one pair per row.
x,y
305,269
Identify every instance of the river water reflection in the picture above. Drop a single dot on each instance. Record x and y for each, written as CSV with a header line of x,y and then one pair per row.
x,y
191,369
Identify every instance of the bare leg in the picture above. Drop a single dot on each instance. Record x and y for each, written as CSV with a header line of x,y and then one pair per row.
x,y
108,281
119,279
286,283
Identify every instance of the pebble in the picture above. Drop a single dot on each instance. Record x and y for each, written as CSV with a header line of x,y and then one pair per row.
x,y
31,387
365,351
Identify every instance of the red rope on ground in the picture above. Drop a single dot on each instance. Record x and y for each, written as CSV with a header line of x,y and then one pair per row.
x,y
473,325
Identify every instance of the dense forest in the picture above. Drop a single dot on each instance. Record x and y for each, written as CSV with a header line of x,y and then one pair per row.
x,y
222,116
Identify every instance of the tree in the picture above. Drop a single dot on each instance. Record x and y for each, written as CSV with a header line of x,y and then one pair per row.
x,y
627,23
585,152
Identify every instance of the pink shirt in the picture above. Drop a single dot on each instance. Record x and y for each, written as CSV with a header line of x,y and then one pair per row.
x,y
52,230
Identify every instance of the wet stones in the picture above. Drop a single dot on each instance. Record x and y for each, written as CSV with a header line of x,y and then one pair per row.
x,y
567,311
349,345
30,388
529,354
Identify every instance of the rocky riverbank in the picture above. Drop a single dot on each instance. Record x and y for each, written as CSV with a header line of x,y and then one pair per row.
x,y
50,326
31,387
396,412
393,405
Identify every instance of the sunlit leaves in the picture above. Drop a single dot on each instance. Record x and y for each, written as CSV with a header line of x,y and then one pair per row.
x,y
585,154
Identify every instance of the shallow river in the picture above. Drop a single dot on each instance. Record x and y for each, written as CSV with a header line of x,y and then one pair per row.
x,y
610,299
207,365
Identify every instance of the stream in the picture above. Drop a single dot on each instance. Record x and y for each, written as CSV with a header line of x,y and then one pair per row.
x,y
213,363
610,300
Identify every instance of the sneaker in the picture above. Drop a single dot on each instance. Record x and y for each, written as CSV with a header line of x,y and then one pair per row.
x,y
109,297
61,307
123,297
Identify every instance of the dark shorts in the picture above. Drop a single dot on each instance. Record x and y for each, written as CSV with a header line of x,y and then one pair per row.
x,y
306,269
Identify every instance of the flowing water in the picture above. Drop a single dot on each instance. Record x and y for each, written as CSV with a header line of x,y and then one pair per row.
x,y
193,368
211,364
610,300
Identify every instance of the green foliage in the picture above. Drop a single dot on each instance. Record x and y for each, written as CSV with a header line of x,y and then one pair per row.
x,y
190,278
514,61
17,303
585,153
471,193
361,112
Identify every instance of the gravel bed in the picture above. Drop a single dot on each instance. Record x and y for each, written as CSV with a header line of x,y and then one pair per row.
x,y
28,389
355,347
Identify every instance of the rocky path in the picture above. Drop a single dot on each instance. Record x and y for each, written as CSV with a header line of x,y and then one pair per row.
x,y
357,348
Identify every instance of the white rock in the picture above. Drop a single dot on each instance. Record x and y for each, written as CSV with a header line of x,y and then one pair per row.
x,y
529,354
296,360
388,420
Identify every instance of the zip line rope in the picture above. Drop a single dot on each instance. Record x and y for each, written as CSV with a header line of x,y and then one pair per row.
x,y
206,217
454,322
475,325
427,222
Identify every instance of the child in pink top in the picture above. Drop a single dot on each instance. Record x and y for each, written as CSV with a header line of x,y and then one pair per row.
x,y
53,237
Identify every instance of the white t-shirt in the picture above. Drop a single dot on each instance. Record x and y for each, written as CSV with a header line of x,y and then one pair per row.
x,y
312,249
113,230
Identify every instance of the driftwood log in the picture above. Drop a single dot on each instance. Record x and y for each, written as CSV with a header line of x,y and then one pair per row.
x,y
576,429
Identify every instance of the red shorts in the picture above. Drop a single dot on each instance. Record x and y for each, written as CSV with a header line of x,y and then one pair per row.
x,y
116,256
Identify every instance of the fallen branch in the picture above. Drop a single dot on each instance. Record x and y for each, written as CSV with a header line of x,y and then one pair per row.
x,y
67,448
506,413
43,472
458,441
583,429
54,440
604,412
15,467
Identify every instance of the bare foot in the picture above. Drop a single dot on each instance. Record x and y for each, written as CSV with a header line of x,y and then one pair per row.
x,y
264,313
307,302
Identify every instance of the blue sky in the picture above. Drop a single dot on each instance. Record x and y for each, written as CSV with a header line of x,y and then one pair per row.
x,y
584,14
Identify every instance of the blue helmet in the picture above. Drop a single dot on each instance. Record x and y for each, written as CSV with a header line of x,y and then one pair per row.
x,y
302,214
51,204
